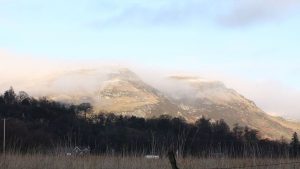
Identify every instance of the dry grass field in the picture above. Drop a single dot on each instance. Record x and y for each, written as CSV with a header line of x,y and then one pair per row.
x,y
39,161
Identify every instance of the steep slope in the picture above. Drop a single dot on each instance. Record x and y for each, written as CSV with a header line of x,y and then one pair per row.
x,y
121,91
115,90
214,100
125,93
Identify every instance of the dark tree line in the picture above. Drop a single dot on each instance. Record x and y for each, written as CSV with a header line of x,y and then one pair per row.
x,y
41,124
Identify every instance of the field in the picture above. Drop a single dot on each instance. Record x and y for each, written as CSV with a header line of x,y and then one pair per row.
x,y
40,161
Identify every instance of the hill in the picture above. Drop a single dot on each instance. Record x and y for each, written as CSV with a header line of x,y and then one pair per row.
x,y
121,91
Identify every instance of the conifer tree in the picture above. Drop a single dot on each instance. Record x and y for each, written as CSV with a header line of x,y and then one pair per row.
x,y
294,145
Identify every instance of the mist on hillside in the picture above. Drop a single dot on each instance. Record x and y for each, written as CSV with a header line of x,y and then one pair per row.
x,y
81,78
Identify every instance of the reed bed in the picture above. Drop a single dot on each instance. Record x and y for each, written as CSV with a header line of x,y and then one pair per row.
x,y
42,161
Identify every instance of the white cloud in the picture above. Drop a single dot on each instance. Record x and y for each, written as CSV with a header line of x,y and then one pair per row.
x,y
156,13
246,12
229,13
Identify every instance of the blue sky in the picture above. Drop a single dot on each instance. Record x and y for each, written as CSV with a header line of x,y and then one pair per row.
x,y
252,39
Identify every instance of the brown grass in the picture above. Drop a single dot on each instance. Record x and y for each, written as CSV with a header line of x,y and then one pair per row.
x,y
40,161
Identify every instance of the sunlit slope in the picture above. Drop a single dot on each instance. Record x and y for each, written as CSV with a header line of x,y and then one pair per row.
x,y
125,93
214,100
121,91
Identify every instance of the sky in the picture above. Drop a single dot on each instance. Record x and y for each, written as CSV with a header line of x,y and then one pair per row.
x,y
251,45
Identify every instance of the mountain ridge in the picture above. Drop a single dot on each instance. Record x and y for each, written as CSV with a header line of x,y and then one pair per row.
x,y
123,92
